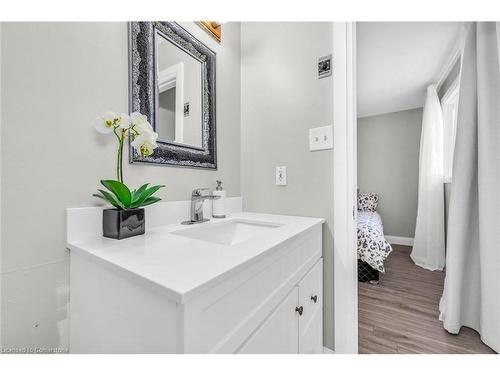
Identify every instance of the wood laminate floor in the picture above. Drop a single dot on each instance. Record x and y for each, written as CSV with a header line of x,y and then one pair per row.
x,y
400,315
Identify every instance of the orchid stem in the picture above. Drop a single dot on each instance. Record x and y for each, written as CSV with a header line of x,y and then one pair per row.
x,y
119,159
118,163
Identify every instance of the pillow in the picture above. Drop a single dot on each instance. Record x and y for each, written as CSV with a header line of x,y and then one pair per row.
x,y
367,202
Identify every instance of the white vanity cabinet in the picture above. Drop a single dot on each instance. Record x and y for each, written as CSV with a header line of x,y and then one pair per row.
x,y
296,325
137,296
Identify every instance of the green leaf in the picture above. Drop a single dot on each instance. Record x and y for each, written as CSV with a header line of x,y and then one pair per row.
x,y
145,195
112,199
150,191
120,190
137,194
149,201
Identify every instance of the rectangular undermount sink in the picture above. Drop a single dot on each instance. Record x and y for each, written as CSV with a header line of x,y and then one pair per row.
x,y
228,233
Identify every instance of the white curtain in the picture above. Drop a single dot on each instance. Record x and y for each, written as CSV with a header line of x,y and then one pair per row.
x,y
429,246
471,294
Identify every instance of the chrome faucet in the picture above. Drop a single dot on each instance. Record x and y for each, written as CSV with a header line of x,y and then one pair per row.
x,y
198,196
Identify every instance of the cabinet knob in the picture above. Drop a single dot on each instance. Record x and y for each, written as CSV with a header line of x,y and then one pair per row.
x,y
314,299
299,309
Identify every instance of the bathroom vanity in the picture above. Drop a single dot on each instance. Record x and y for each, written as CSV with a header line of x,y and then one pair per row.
x,y
249,283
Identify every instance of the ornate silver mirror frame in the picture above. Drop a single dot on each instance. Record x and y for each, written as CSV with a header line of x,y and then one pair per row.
x,y
143,93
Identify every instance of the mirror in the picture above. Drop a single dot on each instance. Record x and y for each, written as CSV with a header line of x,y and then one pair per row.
x,y
172,82
178,80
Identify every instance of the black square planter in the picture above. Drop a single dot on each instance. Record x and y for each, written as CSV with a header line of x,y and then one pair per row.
x,y
119,224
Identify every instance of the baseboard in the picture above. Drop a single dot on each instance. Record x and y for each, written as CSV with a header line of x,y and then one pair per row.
x,y
327,350
396,240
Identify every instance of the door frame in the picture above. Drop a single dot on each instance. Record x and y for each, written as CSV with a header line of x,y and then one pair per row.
x,y
345,189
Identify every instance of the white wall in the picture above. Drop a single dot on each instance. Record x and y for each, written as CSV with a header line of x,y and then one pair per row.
x,y
281,99
56,77
388,150
397,60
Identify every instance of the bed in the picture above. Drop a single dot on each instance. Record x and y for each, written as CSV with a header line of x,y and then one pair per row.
x,y
373,248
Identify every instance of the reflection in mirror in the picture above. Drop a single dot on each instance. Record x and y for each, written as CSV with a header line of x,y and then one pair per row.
x,y
179,85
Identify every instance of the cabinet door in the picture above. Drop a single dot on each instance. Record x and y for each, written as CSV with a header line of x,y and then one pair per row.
x,y
278,333
311,320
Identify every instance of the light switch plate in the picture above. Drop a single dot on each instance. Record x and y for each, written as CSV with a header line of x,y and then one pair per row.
x,y
281,176
321,138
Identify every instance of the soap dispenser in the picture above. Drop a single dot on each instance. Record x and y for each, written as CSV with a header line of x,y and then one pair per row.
x,y
219,205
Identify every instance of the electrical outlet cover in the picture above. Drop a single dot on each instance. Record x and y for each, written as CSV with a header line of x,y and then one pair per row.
x,y
281,176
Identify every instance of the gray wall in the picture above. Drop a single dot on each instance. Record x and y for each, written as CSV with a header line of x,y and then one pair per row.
x,y
56,77
277,113
388,151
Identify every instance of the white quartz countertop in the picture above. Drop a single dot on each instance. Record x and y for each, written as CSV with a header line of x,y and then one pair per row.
x,y
183,265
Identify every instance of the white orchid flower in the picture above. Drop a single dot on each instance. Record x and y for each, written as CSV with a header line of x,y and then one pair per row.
x,y
139,123
145,143
106,122
124,121
135,126
137,117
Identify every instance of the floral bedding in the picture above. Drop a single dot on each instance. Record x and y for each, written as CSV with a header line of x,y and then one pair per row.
x,y
372,246
367,202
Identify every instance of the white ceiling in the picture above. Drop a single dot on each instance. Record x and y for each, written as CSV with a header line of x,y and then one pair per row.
x,y
397,60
